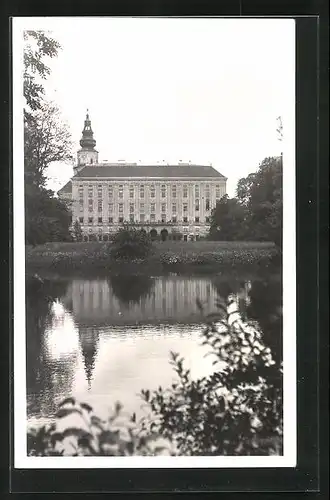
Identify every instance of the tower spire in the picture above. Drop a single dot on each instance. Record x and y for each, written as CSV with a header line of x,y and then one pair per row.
x,y
87,140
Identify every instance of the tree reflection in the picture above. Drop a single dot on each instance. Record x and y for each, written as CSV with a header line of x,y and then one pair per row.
x,y
40,295
266,307
262,302
131,289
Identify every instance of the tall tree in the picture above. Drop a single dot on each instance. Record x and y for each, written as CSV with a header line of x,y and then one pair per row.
x,y
38,47
227,220
46,139
261,194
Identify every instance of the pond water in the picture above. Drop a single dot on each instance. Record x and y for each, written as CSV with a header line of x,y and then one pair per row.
x,y
104,339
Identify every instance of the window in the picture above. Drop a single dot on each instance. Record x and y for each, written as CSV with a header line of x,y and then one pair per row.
x,y
152,207
121,208
163,219
196,191
207,219
110,207
173,209
99,206
121,191
152,217
90,220
90,191
131,192
99,220
110,220
131,218
81,205
174,218
121,219
173,191
152,191
81,220
196,219
141,191
90,204
163,191
131,208
163,207
185,191
185,207
141,207
141,217
207,205
207,191
110,192
99,191
197,205
185,219
217,191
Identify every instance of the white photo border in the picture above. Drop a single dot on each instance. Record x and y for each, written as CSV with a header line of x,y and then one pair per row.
x,y
21,460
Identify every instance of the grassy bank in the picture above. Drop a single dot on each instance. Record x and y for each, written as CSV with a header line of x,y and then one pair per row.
x,y
175,256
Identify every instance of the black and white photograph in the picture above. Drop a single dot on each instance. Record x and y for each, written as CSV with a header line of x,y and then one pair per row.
x,y
154,242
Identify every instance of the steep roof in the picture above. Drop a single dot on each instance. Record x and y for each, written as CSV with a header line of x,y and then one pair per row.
x,y
124,170
67,188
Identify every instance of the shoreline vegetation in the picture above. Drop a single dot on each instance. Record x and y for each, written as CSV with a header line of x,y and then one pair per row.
x,y
169,256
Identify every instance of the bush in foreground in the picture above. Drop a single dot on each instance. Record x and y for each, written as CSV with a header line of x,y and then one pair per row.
x,y
78,431
237,410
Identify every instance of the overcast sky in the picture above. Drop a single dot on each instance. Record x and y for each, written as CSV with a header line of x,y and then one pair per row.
x,y
205,90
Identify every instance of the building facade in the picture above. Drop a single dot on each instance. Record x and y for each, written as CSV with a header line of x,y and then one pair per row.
x,y
168,201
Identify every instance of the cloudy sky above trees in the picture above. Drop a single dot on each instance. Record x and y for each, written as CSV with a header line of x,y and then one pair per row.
x,y
204,90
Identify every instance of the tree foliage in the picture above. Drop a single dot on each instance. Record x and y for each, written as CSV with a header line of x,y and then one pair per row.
x,y
256,212
227,221
264,202
39,46
77,232
47,218
78,431
46,140
130,243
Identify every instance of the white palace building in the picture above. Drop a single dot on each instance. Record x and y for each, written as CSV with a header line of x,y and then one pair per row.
x,y
168,201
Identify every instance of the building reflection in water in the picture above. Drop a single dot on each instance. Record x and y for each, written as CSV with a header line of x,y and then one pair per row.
x,y
118,301
131,310
88,342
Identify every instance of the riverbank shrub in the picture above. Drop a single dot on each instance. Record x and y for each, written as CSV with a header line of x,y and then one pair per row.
x,y
130,243
78,431
236,410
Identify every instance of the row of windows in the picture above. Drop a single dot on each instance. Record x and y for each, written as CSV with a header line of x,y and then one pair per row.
x,y
132,219
132,206
152,191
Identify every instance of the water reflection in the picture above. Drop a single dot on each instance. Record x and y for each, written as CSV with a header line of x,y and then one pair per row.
x,y
105,339
131,289
265,306
120,302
